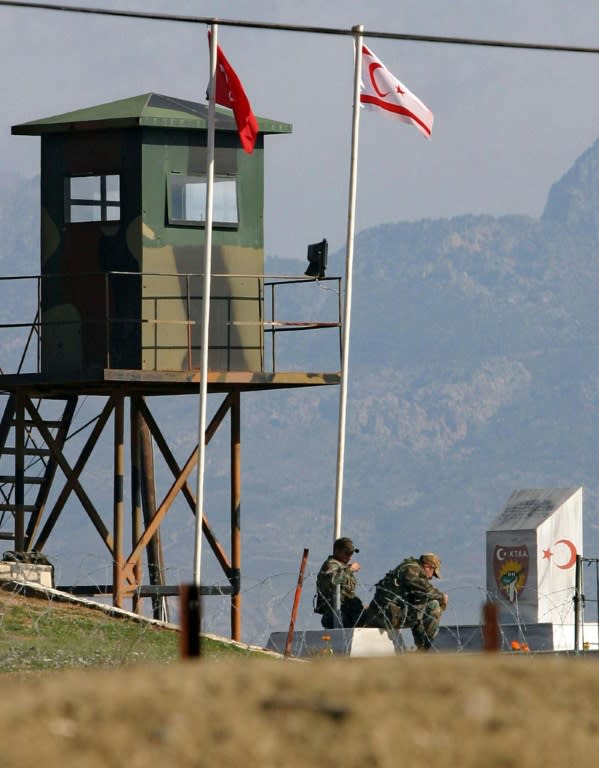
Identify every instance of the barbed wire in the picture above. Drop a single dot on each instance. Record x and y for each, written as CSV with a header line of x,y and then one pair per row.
x,y
266,606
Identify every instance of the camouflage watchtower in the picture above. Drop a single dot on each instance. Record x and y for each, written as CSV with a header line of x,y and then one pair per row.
x,y
118,307
123,189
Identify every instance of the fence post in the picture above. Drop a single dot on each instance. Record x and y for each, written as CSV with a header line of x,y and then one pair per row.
x,y
490,627
578,600
191,621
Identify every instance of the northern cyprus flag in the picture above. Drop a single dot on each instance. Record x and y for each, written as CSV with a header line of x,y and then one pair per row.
x,y
381,90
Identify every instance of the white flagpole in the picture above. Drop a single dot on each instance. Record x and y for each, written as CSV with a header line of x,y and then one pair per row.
x,y
349,257
197,558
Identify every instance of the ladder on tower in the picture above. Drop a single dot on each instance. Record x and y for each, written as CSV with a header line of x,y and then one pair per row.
x,y
39,463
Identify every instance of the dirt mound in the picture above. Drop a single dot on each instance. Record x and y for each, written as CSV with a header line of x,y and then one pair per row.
x,y
414,709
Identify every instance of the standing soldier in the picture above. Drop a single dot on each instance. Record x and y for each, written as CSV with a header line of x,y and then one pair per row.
x,y
338,571
405,597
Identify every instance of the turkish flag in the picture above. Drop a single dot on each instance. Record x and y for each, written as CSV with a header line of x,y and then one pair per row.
x,y
229,93
381,90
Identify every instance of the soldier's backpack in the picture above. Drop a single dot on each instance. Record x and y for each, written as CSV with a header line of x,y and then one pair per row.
x,y
387,589
319,603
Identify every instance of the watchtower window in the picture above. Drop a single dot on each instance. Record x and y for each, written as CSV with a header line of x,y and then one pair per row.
x,y
187,200
92,198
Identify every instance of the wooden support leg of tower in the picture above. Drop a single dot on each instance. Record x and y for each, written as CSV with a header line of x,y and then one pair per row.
x,y
118,580
148,497
236,516
136,527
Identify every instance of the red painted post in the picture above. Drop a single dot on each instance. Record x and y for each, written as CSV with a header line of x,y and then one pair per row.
x,y
491,639
296,600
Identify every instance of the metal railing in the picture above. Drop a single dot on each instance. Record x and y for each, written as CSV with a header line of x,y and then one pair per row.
x,y
121,316
275,326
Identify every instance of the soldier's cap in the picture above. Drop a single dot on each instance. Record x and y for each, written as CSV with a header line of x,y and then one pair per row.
x,y
346,544
429,558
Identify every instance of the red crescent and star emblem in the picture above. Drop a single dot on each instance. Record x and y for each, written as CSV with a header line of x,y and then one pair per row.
x,y
371,70
571,550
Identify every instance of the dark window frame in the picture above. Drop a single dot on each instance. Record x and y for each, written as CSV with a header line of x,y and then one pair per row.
x,y
102,204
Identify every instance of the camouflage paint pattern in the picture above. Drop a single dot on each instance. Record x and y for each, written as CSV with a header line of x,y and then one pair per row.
x,y
128,293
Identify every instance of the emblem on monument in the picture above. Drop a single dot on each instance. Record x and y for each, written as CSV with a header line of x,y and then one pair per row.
x,y
510,566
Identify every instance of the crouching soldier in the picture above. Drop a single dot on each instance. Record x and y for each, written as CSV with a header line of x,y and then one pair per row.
x,y
405,597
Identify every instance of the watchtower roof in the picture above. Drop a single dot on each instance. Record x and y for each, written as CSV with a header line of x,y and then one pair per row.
x,y
150,110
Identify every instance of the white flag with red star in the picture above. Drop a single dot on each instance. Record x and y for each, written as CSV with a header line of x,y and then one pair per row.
x,y
381,90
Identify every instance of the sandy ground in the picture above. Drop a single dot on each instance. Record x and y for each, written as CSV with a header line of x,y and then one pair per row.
x,y
415,709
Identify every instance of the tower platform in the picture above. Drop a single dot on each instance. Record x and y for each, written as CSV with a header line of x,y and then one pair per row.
x,y
105,381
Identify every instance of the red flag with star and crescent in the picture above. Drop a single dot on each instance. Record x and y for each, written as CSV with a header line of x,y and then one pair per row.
x,y
229,93
381,90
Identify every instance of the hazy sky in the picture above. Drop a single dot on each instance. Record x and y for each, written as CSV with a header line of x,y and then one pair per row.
x,y
507,123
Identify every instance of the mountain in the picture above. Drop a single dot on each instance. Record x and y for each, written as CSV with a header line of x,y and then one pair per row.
x,y
473,372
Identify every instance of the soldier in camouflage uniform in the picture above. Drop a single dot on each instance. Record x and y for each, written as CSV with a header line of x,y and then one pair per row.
x,y
405,597
337,570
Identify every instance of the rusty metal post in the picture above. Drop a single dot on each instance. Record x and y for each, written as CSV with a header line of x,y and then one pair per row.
x,y
191,621
19,472
491,638
136,528
119,475
296,601
236,515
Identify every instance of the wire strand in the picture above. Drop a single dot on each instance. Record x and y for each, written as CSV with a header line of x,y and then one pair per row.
x,y
305,29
